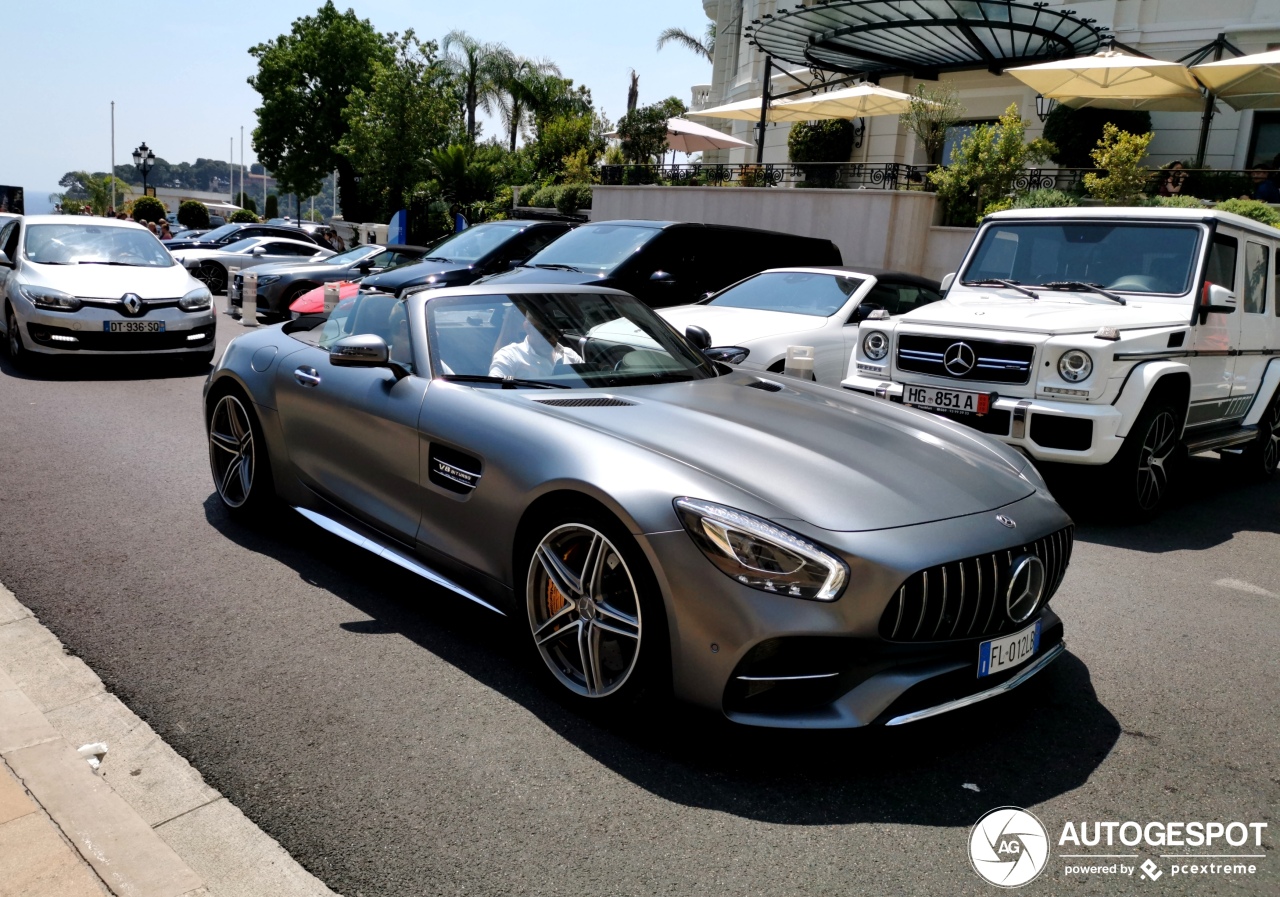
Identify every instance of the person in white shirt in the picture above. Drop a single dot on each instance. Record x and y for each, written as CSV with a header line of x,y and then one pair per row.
x,y
533,357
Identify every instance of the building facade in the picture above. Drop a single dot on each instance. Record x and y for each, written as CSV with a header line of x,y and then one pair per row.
x,y
1164,29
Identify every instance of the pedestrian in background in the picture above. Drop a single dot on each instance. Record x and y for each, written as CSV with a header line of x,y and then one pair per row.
x,y
165,232
1175,176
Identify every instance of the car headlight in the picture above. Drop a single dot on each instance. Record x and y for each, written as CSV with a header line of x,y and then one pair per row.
x,y
876,345
761,554
727,354
1075,365
53,300
264,279
197,300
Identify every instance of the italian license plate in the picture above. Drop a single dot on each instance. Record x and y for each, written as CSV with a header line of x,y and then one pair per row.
x,y
133,326
1008,651
951,400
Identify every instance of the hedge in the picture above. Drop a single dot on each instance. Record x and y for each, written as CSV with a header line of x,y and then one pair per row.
x,y
148,208
193,214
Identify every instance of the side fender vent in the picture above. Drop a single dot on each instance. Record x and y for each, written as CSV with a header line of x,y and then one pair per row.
x,y
453,470
600,402
766,385
1176,339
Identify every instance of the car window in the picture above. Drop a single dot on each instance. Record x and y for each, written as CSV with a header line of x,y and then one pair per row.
x,y
794,292
595,248
1257,259
286,249
9,240
1221,268
473,243
378,314
533,240
351,256
218,234
241,245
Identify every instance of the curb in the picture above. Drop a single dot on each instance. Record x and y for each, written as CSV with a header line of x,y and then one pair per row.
x,y
145,822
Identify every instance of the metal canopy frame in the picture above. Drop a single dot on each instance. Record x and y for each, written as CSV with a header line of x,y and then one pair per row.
x,y
923,37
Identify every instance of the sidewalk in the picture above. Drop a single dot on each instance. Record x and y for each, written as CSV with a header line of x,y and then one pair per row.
x,y
144,824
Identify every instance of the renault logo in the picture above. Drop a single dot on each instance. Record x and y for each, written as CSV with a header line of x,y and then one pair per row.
x,y
1026,587
132,303
959,359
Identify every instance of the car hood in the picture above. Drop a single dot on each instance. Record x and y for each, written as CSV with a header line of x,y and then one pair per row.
x,y
112,282
416,273
838,461
739,326
1053,313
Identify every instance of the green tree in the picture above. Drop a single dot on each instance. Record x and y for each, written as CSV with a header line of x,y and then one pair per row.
x,y
828,140
985,166
933,112
409,109
93,190
148,208
245,201
644,132
478,68
1120,155
273,206
305,78
1076,132
522,91
704,46
193,214
461,176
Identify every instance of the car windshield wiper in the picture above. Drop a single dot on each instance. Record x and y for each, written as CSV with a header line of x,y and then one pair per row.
x,y
558,267
504,382
434,258
119,264
996,281
1081,285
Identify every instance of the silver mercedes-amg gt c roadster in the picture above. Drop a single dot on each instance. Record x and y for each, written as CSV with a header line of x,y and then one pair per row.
x,y
788,553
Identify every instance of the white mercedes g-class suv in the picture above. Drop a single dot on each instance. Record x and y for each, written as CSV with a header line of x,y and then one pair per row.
x,y
1113,337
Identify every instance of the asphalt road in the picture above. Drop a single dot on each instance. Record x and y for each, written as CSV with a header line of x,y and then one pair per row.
x,y
386,733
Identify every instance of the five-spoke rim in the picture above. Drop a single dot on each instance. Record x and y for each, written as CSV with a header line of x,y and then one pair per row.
x,y
231,451
1157,446
584,610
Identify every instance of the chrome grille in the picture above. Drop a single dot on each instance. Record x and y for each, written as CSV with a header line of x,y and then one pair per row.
x,y
993,362
966,598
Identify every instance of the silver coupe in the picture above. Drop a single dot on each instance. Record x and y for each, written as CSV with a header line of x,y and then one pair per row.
x,y
787,553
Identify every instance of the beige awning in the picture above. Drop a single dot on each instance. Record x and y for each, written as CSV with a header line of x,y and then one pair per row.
x,y
1115,80
749,110
1247,82
850,102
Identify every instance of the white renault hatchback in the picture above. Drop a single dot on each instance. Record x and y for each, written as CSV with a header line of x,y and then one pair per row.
x,y
97,286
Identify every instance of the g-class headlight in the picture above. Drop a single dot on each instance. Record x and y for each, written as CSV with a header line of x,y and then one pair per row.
x,y
1075,365
53,300
761,554
876,345
197,300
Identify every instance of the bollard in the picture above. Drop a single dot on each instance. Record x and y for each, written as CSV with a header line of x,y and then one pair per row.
x,y
249,299
233,296
331,293
799,362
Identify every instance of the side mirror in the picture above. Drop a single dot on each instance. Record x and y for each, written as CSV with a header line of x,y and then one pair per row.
x,y
1216,300
5,261
662,277
258,250
948,280
512,264
864,311
698,336
364,266
364,350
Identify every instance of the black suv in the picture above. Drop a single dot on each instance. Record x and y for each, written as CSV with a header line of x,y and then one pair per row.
x,y
229,233
667,262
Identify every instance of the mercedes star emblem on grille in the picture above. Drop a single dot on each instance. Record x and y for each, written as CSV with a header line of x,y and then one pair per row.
x,y
1026,587
132,303
959,359
1006,521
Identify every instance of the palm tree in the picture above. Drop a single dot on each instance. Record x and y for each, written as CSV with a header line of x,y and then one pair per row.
x,y
633,92
704,46
478,69
521,91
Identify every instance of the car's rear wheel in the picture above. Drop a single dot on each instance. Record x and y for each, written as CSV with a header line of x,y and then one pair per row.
x,y
1262,456
238,456
212,275
595,617
1142,471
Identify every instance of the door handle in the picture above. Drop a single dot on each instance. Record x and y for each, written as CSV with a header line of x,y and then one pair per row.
x,y
307,376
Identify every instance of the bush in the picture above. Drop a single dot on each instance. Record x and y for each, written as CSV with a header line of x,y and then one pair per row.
x,y
572,197
1044,199
243,215
148,208
1251,208
193,214
1075,132
543,197
820,141
753,176
1120,155
1175,202
273,207
1002,205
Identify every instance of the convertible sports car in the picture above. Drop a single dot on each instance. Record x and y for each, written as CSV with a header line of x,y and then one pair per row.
x,y
788,553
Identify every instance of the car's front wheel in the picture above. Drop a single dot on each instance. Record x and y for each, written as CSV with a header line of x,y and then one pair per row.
x,y
594,614
238,456
1142,471
17,350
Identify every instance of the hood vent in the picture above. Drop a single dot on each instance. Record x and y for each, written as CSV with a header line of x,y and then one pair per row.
x,y
601,402
766,385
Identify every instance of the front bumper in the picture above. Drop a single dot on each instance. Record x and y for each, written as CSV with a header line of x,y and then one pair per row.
x,y
1047,430
81,332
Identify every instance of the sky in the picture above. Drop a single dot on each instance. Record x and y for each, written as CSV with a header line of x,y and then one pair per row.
x,y
177,71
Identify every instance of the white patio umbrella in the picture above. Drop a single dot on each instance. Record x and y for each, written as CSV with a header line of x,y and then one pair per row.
x,y
859,101
1115,80
749,110
691,137
1246,82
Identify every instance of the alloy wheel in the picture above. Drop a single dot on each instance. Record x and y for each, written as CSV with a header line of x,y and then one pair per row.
x,y
584,610
1271,439
231,451
1153,459
212,277
14,337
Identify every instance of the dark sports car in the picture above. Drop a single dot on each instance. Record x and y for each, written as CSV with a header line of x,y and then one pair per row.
x,y
788,553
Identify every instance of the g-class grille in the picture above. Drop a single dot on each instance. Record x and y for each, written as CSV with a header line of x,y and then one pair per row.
x,y
967,599
964,359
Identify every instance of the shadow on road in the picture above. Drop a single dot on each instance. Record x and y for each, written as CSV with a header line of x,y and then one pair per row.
x,y
104,367
1213,499
1040,741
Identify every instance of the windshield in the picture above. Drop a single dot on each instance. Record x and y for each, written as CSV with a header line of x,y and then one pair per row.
x,y
566,339
351,256
595,247
821,295
241,245
88,244
220,233
474,243
1131,258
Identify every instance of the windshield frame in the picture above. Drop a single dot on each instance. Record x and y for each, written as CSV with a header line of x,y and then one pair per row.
x,y
544,257
1194,265
161,253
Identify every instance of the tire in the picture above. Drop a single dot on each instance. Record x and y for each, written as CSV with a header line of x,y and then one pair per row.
x,y
13,345
1141,473
289,298
1262,456
212,275
238,457
603,647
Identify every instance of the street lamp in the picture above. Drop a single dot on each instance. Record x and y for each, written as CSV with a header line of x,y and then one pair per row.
x,y
143,160
1044,106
